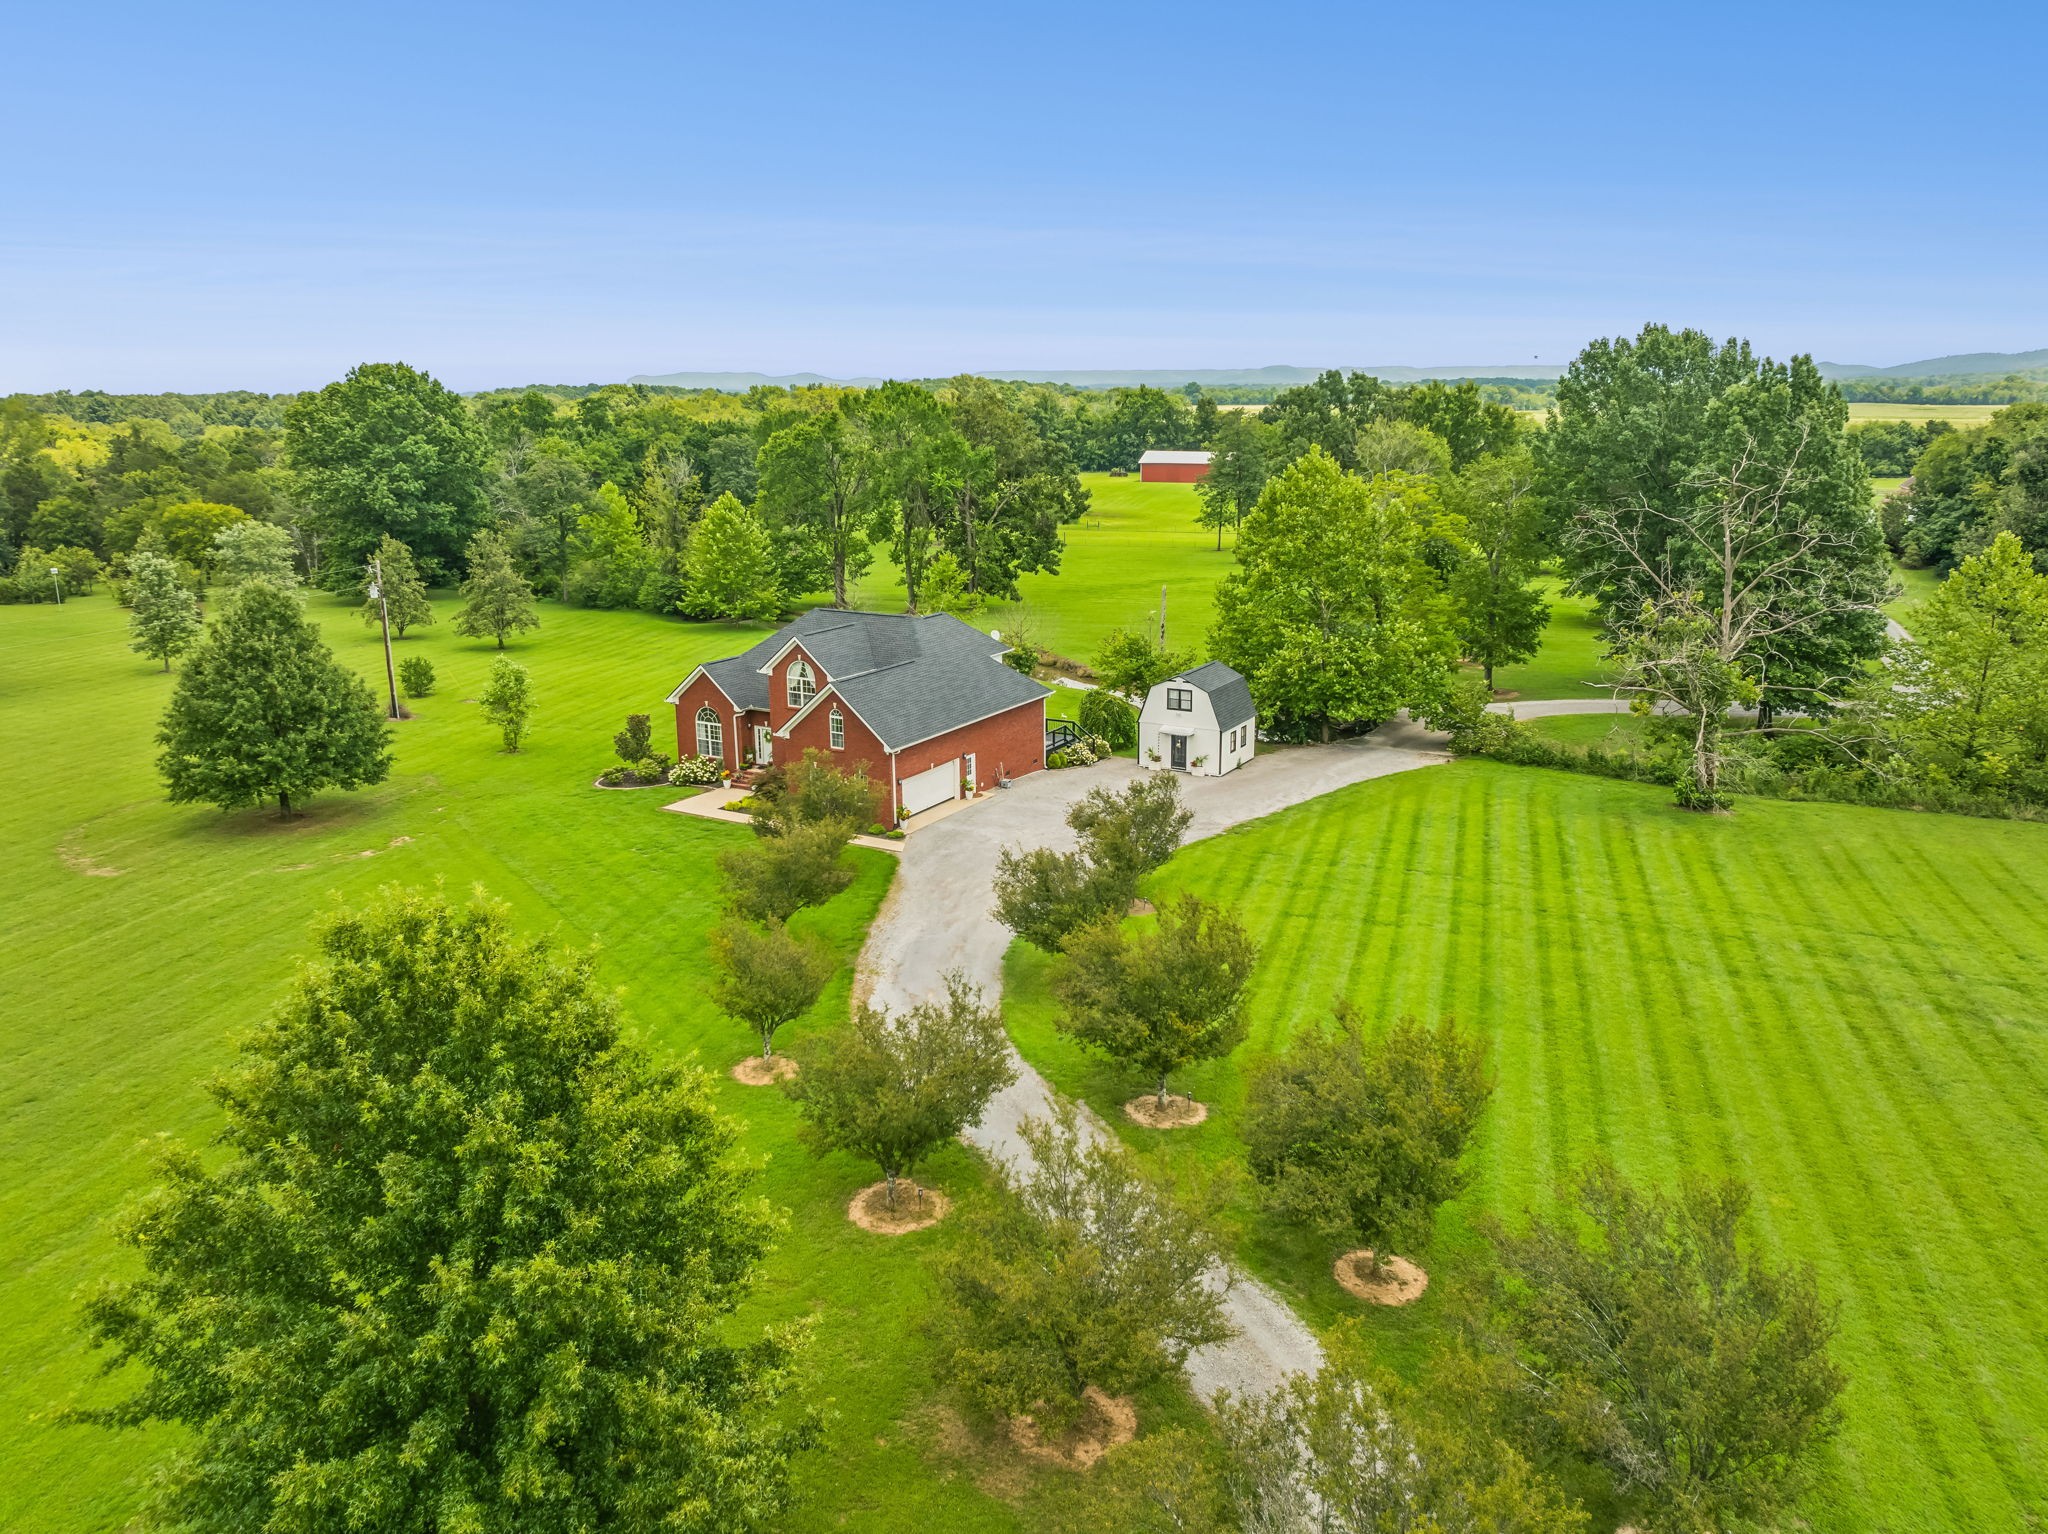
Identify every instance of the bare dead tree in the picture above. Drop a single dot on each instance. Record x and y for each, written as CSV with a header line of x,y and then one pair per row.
x,y
1726,580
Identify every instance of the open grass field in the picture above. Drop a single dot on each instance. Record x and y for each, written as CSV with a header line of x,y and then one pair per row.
x,y
1843,1005
1955,415
142,938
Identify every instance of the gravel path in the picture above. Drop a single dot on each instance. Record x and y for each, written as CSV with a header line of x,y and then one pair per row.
x,y
937,919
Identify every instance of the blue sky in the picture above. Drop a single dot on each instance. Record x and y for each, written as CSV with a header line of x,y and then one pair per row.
x,y
208,196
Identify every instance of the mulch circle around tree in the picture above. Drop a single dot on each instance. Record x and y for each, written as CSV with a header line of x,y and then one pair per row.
x,y
1398,1282
1179,1112
760,1071
627,787
915,1208
1105,1422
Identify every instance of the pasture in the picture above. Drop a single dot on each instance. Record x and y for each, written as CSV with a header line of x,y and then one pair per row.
x,y
1956,415
143,938
1842,1005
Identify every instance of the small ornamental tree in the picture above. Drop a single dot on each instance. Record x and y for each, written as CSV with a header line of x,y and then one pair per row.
x,y
764,976
1103,713
1088,1274
416,676
1162,999
894,1089
419,1287
405,594
263,712
1042,896
1360,1139
248,550
496,600
636,740
1661,1343
164,615
775,877
508,700
1340,1452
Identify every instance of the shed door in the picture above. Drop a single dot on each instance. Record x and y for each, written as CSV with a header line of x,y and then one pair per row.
x,y
930,788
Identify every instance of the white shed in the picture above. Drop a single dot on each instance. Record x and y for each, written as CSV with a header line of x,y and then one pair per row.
x,y
1201,721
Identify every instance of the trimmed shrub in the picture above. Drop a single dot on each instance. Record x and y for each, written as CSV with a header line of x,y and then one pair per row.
x,y
416,676
698,771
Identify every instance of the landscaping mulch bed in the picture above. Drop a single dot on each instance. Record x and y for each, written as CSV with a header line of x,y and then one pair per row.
x,y
1398,1282
915,1208
1105,1422
1179,1112
760,1071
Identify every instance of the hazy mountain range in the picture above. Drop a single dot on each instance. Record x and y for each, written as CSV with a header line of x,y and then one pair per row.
x,y
1964,365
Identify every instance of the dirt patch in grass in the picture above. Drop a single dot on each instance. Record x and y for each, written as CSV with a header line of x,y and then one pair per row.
x,y
1179,1112
1142,907
79,861
915,1208
763,1071
1105,1422
1398,1281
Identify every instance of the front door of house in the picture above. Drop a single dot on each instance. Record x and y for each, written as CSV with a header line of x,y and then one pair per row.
x,y
764,744
1179,757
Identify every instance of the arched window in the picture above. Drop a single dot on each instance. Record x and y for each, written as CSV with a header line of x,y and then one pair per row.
x,y
803,686
838,723
710,734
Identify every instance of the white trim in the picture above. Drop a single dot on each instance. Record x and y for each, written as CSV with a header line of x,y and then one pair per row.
x,y
827,691
677,695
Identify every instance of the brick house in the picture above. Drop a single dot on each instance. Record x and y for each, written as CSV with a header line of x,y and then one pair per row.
x,y
924,703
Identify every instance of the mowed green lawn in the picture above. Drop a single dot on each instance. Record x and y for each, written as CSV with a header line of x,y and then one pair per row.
x,y
142,938
1845,1006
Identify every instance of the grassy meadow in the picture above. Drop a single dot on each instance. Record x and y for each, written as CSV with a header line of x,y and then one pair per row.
x,y
1956,415
1842,1005
143,938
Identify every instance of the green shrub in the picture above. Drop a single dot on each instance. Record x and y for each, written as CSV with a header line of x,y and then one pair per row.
x,y
698,771
1106,715
416,676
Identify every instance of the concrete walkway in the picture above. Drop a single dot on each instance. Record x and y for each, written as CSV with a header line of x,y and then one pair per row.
x,y
937,919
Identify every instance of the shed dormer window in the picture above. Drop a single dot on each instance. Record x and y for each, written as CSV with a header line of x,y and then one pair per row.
x,y
803,685
1180,699
838,723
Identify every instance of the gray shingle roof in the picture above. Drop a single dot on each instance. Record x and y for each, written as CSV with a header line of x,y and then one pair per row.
x,y
1229,694
907,677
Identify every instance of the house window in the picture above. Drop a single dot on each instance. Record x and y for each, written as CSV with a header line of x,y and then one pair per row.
x,y
838,722
803,684
1180,699
710,734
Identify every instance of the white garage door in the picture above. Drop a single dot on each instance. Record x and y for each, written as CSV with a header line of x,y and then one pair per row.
x,y
930,788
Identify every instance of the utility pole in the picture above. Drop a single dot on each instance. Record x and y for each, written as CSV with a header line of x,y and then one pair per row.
x,y
384,618
1162,617
57,584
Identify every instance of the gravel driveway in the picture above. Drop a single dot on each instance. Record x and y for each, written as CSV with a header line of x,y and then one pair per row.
x,y
937,919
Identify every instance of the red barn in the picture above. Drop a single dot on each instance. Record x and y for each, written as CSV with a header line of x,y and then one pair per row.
x,y
924,703
1164,466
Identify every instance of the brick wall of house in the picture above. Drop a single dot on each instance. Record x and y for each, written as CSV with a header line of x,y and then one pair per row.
x,y
814,733
1012,742
703,693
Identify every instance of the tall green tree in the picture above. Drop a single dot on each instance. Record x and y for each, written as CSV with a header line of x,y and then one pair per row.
x,y
1131,662
1500,613
1240,463
263,712
163,618
191,531
419,1288
730,569
1162,999
388,450
913,444
1333,615
405,594
820,493
1665,447
247,550
895,1089
1651,1331
1968,702
1461,418
1006,489
609,556
496,600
